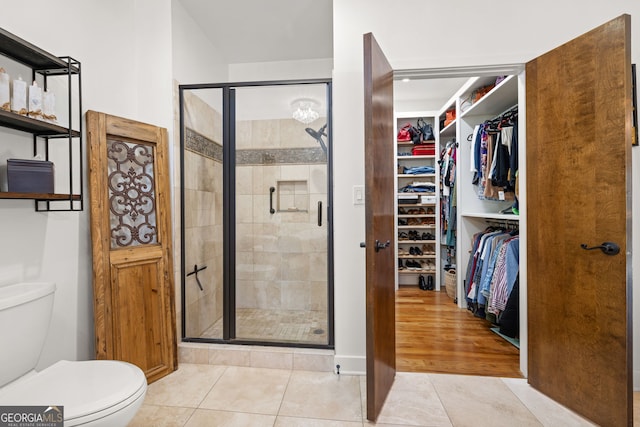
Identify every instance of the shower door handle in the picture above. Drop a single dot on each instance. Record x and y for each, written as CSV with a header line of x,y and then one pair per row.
x,y
319,213
271,191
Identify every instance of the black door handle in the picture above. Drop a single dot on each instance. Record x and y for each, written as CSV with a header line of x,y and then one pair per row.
x,y
380,246
319,213
271,191
607,248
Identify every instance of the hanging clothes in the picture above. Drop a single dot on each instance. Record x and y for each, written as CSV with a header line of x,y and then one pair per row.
x,y
492,271
448,192
494,157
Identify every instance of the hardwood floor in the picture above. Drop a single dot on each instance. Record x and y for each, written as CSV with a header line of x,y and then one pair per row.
x,y
434,335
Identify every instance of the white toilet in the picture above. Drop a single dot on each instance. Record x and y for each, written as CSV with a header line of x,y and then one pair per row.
x,y
93,393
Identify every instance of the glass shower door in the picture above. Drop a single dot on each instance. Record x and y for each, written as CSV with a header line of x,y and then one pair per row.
x,y
281,228
202,213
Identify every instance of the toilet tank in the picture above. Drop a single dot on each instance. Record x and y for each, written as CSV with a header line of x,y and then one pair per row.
x,y
25,313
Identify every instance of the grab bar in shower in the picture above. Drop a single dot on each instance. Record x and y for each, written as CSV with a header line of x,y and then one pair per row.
x,y
195,271
271,191
319,213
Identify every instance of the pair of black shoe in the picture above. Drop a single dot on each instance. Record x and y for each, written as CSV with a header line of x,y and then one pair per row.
x,y
415,250
425,285
411,264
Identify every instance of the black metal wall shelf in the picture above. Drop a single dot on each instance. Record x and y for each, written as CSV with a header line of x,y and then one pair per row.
x,y
34,126
32,56
45,64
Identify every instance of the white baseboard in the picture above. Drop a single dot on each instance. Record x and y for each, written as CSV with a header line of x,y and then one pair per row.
x,y
351,365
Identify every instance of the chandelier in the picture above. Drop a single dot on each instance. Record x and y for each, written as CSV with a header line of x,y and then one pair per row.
x,y
304,110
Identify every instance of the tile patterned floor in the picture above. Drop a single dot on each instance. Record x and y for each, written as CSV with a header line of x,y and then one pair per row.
x,y
283,326
213,395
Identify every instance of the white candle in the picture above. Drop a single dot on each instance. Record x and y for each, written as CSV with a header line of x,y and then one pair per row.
x,y
49,106
19,96
5,94
35,101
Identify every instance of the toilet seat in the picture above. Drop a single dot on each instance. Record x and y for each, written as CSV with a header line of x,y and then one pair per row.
x,y
88,390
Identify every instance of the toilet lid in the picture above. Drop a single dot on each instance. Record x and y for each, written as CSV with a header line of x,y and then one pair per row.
x,y
83,388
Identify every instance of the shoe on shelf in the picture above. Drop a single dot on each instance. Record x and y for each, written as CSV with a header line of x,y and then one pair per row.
x,y
412,251
403,236
417,251
400,266
428,249
412,265
427,236
402,221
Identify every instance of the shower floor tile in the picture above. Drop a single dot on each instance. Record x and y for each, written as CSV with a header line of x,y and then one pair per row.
x,y
284,326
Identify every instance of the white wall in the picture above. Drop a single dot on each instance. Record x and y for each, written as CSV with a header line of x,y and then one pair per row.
x,y
437,34
195,58
126,71
281,70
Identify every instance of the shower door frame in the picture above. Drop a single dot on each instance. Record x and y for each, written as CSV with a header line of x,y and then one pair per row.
x,y
229,213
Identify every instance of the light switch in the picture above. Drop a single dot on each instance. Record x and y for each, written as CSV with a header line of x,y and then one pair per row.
x,y
358,194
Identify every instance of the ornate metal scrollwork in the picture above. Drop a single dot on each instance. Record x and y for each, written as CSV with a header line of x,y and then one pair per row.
x,y
132,202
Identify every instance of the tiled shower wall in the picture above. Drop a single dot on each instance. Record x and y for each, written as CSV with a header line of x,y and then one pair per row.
x,y
281,257
203,214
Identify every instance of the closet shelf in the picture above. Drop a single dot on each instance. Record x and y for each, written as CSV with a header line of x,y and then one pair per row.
x,y
414,242
432,256
416,215
449,130
429,156
416,194
496,101
485,215
422,175
423,271
411,227
406,205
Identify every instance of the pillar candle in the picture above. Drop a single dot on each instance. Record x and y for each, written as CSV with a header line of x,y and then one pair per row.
x,y
35,101
5,94
49,106
19,96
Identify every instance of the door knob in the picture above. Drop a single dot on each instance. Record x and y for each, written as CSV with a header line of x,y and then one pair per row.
x,y
380,246
608,248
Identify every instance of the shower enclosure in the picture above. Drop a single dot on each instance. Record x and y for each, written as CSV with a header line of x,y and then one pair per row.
x,y
256,213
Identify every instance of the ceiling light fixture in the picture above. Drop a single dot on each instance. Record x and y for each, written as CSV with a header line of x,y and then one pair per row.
x,y
304,110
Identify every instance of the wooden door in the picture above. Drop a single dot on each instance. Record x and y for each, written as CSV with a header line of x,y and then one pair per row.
x,y
131,235
578,108
379,213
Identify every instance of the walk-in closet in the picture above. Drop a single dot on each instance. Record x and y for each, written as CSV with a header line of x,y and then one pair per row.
x,y
458,223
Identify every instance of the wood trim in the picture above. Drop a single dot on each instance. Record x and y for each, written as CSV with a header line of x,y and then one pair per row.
x,y
96,137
